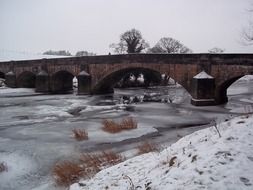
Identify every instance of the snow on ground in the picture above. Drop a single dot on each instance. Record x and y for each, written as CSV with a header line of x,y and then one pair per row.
x,y
203,75
19,167
10,91
202,160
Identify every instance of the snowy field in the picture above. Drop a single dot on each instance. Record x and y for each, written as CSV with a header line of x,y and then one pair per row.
x,y
6,55
202,160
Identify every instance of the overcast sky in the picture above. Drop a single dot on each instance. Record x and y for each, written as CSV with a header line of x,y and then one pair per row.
x,y
40,25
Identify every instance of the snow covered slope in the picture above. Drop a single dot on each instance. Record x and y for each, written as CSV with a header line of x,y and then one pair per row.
x,y
202,160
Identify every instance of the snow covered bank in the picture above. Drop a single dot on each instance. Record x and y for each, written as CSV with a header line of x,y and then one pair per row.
x,y
202,160
5,91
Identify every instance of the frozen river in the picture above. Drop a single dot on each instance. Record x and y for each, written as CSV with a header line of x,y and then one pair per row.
x,y
36,130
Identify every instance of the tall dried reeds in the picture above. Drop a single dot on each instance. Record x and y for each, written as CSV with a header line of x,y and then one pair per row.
x,y
115,127
147,147
3,167
80,134
66,172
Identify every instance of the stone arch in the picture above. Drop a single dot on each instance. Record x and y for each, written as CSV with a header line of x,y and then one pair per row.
x,y
26,80
106,84
2,75
67,68
61,82
221,89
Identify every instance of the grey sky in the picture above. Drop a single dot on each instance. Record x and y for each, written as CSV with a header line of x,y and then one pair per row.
x,y
40,25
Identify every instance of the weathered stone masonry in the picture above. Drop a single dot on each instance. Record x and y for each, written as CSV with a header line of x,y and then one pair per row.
x,y
98,74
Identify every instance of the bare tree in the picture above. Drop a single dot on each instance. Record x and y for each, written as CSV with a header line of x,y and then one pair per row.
x,y
216,50
169,45
119,48
247,32
130,42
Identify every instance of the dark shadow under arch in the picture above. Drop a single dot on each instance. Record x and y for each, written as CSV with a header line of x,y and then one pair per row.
x,y
2,75
26,80
107,84
61,82
150,79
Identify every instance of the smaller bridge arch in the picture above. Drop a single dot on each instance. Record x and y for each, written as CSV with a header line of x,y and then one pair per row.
x,y
221,89
26,80
2,75
61,82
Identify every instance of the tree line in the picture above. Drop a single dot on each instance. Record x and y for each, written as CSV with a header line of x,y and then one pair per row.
x,y
67,53
132,41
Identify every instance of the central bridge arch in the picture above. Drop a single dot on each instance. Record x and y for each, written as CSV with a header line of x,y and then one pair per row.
x,y
106,83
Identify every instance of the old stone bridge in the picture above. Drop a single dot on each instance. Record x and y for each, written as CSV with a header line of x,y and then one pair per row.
x,y
98,74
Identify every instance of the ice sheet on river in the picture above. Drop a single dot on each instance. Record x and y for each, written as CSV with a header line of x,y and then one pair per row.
x,y
38,128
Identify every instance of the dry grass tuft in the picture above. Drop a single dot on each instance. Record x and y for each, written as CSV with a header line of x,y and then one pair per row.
x,y
128,123
114,127
147,147
96,161
67,173
3,167
80,134
112,158
111,126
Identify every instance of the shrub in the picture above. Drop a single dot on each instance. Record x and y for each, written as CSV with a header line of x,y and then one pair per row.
x,y
3,167
147,147
111,126
80,134
128,123
111,158
114,127
95,161
67,173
